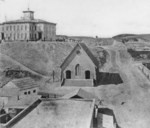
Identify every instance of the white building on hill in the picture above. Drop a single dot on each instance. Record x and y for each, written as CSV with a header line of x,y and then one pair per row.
x,y
27,28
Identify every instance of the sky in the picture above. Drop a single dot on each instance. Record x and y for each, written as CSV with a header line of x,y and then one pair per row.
x,y
102,18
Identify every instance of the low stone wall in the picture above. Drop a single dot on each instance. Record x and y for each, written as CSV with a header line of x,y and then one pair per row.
x,y
79,82
145,71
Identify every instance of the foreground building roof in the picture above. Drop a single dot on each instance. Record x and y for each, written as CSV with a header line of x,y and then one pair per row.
x,y
58,113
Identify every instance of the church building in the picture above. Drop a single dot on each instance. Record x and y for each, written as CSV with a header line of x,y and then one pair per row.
x,y
83,68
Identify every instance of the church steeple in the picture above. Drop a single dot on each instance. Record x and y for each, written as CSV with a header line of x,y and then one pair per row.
x,y
28,15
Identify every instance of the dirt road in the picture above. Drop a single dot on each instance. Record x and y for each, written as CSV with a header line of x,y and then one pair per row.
x,y
133,111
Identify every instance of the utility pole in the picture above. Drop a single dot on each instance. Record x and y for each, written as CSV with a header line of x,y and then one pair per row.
x,y
53,75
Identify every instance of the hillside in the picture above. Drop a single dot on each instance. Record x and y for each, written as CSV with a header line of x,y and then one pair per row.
x,y
124,35
142,39
41,57
11,69
145,37
46,57
128,100
138,45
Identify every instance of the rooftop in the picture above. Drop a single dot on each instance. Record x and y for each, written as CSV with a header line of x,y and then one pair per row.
x,y
70,113
97,55
80,93
25,83
28,21
28,11
28,18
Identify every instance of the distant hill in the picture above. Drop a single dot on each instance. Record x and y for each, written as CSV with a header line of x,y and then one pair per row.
x,y
74,38
145,37
82,37
138,45
123,35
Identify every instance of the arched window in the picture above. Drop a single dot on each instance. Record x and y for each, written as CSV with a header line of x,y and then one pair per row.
x,y
68,74
87,74
77,70
34,91
28,92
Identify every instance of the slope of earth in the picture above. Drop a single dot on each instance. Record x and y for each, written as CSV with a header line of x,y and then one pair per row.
x,y
138,45
11,69
143,56
41,57
130,105
129,100
133,41
91,41
144,36
124,35
44,58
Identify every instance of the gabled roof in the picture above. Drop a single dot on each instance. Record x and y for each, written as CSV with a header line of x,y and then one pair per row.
x,y
80,93
25,83
10,85
88,52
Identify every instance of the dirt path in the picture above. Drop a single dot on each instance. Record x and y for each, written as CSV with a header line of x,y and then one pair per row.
x,y
134,113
